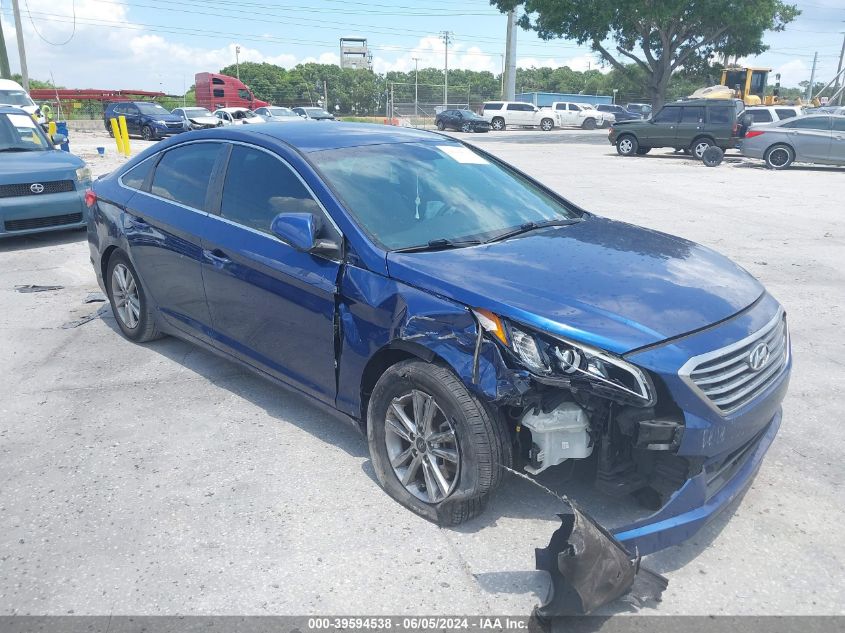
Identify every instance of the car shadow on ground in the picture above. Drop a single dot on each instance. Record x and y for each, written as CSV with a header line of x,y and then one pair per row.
x,y
42,240
517,497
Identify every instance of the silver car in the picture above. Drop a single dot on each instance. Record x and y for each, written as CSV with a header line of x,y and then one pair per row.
x,y
815,138
278,114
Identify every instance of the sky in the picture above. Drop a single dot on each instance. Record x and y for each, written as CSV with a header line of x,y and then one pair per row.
x,y
161,44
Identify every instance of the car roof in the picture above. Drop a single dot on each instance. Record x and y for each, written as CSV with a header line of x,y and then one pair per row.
x,y
7,109
306,137
231,109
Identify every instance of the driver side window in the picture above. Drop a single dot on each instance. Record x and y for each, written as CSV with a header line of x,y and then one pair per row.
x,y
259,186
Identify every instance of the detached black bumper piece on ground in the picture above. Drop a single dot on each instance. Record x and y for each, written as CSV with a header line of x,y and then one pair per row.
x,y
590,568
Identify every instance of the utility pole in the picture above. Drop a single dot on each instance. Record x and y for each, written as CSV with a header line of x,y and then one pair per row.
x,y
446,36
5,71
237,62
502,93
812,77
509,80
21,50
839,79
416,84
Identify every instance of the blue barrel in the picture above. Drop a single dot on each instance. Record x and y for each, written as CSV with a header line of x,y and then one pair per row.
x,y
61,128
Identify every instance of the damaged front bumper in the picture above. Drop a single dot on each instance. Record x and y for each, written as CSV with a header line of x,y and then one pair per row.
x,y
701,498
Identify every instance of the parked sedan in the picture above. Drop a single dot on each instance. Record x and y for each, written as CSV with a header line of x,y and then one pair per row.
x,y
459,313
814,138
463,120
195,118
277,114
620,113
317,114
41,188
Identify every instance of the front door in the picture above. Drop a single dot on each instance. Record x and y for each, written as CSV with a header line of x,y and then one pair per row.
x,y
133,118
811,137
163,224
271,305
663,130
837,143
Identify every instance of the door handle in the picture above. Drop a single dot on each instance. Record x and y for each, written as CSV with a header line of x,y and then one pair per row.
x,y
217,257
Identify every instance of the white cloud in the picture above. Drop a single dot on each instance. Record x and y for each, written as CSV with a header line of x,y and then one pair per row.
x,y
791,73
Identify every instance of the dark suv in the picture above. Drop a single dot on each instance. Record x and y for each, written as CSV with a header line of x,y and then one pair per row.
x,y
146,119
618,111
692,125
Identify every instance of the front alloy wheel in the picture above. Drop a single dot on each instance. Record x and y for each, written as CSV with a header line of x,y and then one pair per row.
x,y
422,446
466,127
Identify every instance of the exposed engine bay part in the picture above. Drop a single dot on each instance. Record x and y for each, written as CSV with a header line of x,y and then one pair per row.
x,y
590,568
561,434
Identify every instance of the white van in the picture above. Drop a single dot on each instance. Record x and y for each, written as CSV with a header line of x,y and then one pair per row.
x,y
13,94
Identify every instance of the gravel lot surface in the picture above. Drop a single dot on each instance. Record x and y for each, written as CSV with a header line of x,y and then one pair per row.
x,y
159,479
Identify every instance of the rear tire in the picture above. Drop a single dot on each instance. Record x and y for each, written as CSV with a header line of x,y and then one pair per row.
x,y
779,156
129,303
547,125
626,145
699,146
589,124
498,124
466,458
147,133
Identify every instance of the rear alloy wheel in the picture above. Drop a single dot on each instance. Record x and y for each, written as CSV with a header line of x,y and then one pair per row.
x,y
779,157
498,124
128,301
147,133
627,145
466,127
699,146
589,124
547,125
434,446
441,126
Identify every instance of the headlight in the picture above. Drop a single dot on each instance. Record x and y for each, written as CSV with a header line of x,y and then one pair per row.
x,y
558,361
83,174
159,122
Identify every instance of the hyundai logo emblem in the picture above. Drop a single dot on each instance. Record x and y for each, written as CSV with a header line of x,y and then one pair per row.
x,y
758,357
36,187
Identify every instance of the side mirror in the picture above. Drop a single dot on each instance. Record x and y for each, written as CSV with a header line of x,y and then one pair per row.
x,y
58,139
300,230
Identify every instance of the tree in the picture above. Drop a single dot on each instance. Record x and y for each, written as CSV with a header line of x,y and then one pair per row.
x,y
659,36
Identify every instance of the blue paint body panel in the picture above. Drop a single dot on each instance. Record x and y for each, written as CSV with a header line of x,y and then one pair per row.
x,y
319,325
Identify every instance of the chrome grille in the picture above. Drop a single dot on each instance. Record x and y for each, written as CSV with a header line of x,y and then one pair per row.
x,y
725,377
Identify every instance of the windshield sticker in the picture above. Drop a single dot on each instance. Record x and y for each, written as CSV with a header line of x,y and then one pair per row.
x,y
21,120
462,155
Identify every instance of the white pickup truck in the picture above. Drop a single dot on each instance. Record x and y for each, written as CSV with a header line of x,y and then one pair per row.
x,y
583,115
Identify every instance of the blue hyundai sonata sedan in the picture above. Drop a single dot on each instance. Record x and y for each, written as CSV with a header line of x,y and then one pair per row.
x,y
462,315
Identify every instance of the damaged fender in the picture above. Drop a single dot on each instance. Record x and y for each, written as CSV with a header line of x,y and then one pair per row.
x,y
590,568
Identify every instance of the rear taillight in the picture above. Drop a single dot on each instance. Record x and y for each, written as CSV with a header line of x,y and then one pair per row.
x,y
90,198
753,133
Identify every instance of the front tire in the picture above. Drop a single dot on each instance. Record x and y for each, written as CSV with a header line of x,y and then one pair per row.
x,y
589,124
435,448
626,145
779,156
498,124
128,301
441,126
466,127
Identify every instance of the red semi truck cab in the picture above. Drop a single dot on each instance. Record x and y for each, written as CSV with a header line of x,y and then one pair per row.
x,y
221,91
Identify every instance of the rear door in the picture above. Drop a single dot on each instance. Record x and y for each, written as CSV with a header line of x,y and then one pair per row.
x,y
271,305
690,125
516,114
163,225
811,136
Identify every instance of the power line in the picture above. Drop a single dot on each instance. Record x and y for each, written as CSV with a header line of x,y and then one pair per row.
x,y
35,28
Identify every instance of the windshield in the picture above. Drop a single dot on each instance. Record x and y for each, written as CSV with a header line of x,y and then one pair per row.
x,y
469,114
281,112
152,108
19,133
409,194
196,112
316,112
15,98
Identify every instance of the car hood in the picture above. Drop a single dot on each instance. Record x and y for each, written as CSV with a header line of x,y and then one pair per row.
x,y
602,282
17,167
204,120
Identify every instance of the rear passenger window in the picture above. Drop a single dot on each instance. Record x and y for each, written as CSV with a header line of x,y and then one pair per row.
x,y
692,114
183,173
839,125
259,186
809,123
492,106
721,115
137,176
785,113
760,116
